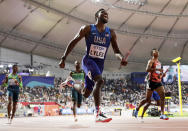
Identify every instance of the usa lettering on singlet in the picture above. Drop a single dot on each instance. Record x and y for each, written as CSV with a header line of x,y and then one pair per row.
x,y
158,66
98,43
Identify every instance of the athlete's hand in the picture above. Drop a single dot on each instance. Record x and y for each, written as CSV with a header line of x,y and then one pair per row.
x,y
16,82
164,75
63,85
82,84
123,62
62,63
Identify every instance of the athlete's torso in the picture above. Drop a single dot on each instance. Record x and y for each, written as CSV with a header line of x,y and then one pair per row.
x,y
156,75
78,76
97,44
12,79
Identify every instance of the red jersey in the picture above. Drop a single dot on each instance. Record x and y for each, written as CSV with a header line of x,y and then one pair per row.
x,y
155,76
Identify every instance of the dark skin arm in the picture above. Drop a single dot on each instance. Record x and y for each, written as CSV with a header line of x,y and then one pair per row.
x,y
19,83
83,32
149,66
116,48
20,79
163,74
63,84
6,79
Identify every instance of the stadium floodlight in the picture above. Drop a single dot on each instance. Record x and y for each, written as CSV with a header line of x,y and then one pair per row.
x,y
177,61
1,66
31,70
10,65
96,1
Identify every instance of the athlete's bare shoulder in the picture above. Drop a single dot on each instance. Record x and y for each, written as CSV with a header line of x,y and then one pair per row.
x,y
85,28
151,61
149,65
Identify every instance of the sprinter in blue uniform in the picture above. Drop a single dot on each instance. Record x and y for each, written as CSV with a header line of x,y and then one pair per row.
x,y
98,38
155,96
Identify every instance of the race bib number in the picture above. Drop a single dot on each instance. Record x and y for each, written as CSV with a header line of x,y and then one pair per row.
x,y
97,51
79,84
12,82
78,81
158,66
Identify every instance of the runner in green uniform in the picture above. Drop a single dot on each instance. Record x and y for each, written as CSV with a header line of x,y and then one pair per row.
x,y
14,83
77,83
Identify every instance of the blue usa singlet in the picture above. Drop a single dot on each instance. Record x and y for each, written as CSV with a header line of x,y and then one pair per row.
x,y
97,44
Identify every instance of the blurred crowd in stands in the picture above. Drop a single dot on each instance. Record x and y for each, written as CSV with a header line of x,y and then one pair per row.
x,y
115,92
